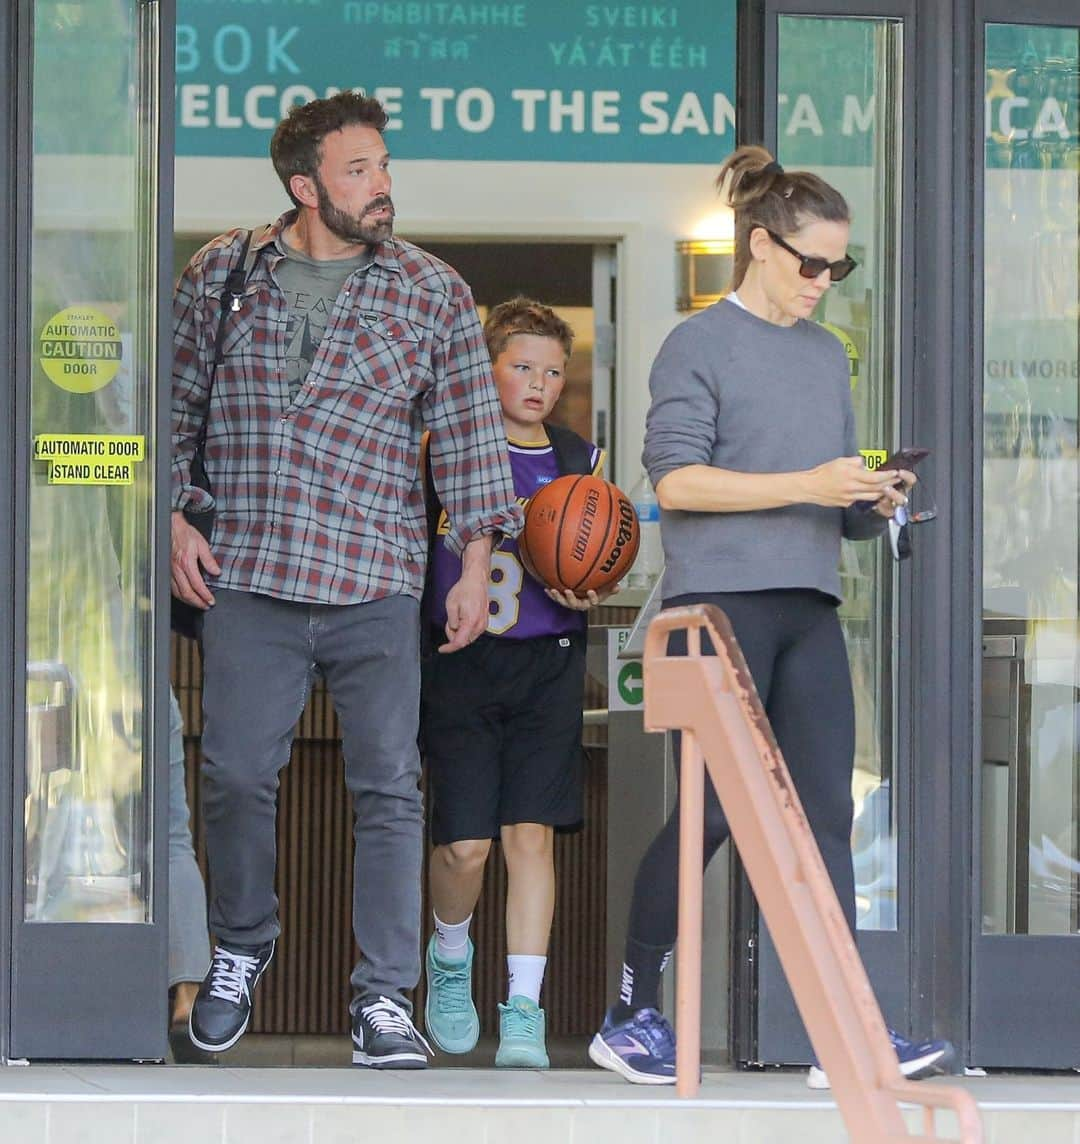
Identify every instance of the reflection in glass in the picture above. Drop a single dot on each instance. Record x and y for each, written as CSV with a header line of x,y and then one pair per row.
x,y
87,836
860,95
1030,775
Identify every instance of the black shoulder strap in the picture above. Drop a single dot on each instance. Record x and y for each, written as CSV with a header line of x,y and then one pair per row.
x,y
235,284
431,498
573,454
229,303
433,509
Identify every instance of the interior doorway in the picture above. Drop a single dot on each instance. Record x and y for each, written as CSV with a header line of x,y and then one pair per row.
x,y
303,1001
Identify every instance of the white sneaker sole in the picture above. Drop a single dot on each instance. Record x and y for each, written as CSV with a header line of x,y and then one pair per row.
x,y
600,1053
917,1069
393,1061
206,1048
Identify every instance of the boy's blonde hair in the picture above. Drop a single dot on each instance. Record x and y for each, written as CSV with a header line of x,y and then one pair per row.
x,y
525,316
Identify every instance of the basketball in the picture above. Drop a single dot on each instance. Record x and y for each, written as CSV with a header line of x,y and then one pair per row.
x,y
580,533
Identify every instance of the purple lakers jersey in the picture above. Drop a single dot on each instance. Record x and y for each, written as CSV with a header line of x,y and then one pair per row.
x,y
517,606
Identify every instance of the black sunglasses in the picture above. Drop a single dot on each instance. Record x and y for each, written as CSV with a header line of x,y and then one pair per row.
x,y
814,267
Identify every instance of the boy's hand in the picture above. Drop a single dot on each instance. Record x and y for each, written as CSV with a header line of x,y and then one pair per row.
x,y
577,603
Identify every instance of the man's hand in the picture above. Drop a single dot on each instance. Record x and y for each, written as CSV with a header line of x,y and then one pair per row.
x,y
191,554
467,600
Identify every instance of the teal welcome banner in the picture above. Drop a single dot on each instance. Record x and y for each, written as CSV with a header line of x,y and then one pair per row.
x,y
554,80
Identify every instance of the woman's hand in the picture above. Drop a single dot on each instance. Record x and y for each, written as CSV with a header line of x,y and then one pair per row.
x,y
895,497
846,480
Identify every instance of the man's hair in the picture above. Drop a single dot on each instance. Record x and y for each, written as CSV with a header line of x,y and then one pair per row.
x,y
525,316
296,147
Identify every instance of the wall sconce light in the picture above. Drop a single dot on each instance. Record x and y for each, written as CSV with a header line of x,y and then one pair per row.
x,y
703,268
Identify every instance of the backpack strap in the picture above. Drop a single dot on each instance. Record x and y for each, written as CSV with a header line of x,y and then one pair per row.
x,y
229,303
432,507
233,290
573,454
433,510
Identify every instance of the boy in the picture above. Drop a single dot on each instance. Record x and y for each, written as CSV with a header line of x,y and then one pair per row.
x,y
501,719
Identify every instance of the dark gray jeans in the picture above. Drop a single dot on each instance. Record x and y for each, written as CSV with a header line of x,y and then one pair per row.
x,y
260,656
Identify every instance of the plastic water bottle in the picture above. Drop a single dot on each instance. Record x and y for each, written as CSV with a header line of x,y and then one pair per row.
x,y
650,558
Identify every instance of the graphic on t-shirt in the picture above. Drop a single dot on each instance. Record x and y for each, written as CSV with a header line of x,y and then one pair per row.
x,y
311,288
304,332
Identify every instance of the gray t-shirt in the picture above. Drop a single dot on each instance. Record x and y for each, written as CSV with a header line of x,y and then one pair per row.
x,y
311,289
736,392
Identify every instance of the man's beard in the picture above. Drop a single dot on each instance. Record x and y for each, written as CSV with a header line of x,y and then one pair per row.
x,y
351,228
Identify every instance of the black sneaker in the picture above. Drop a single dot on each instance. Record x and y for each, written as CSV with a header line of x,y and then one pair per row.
x,y
384,1037
222,1009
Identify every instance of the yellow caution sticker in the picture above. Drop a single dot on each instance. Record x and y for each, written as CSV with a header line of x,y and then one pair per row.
x,y
850,348
80,349
90,458
874,458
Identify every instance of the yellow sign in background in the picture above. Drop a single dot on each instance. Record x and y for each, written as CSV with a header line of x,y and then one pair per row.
x,y
874,458
80,349
850,348
89,458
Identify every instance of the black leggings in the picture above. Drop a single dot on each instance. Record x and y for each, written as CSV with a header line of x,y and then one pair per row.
x,y
793,644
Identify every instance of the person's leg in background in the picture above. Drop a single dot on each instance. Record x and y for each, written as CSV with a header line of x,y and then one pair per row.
x,y
635,1039
812,713
189,942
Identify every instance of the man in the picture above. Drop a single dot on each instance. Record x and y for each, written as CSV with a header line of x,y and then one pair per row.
x,y
344,345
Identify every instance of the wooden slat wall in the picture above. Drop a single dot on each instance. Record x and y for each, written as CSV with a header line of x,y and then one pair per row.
x,y
306,990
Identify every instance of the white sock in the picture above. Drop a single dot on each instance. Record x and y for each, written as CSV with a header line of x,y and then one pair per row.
x,y
526,974
451,941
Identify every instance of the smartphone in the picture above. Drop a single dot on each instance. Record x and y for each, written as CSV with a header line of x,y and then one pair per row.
x,y
906,458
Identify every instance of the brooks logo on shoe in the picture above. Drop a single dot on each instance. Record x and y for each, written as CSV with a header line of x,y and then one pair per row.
x,y
631,1046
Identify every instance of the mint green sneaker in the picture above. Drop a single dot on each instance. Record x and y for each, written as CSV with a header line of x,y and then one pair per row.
x,y
521,1035
449,1013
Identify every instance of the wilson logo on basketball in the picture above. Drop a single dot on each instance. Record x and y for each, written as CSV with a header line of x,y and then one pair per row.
x,y
627,533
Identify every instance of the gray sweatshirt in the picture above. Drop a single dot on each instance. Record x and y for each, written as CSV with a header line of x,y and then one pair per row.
x,y
736,392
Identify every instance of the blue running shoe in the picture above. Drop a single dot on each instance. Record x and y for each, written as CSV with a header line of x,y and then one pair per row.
x,y
449,1013
917,1060
641,1049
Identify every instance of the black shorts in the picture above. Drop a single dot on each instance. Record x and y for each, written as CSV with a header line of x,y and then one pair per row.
x,y
501,735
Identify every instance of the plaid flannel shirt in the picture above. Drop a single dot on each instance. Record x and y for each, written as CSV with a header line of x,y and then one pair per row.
x,y
321,499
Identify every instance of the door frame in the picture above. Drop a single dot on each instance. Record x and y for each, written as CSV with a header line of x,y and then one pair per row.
x,y
1006,1005
937,627
53,969
15,126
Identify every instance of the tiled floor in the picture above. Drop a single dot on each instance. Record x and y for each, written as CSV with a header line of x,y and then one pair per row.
x,y
153,1104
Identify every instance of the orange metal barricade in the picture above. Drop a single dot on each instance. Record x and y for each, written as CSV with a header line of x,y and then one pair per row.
x,y
712,699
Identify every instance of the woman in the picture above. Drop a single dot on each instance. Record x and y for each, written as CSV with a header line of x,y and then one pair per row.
x,y
750,445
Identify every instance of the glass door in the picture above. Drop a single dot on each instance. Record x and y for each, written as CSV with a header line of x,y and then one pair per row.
x,y
1026,964
845,123
87,858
